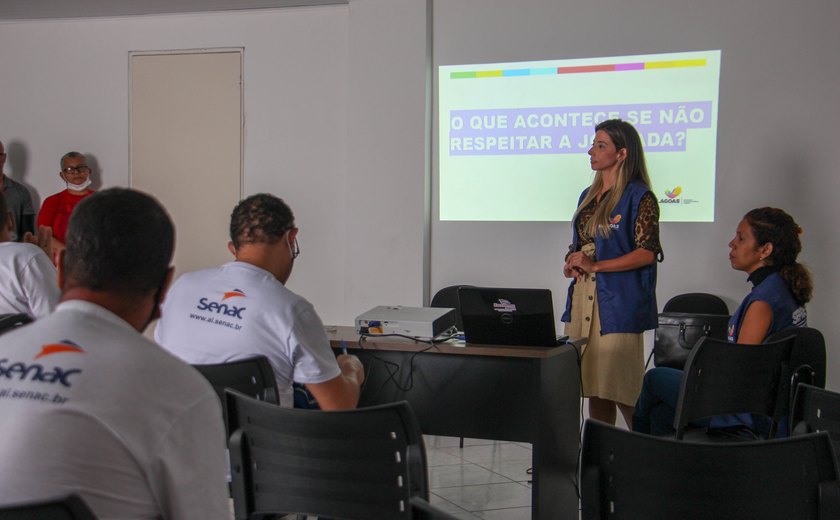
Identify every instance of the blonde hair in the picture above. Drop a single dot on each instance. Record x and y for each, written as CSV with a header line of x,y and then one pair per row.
x,y
632,168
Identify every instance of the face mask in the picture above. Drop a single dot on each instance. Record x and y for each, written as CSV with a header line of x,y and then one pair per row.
x,y
78,187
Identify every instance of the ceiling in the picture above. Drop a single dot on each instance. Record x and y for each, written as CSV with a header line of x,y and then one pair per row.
x,y
55,9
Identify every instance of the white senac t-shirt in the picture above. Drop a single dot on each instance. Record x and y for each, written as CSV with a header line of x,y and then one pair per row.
x,y
92,407
28,280
239,310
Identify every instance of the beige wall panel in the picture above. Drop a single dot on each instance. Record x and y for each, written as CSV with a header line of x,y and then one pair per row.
x,y
186,146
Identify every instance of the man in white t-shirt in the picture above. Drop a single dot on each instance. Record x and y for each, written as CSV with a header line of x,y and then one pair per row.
x,y
244,308
28,282
90,405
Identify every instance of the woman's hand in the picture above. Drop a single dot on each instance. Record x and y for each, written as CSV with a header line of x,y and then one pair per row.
x,y
570,271
581,263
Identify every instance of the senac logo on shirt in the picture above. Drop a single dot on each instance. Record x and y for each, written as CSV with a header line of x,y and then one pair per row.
x,y
64,345
614,221
227,309
37,372
236,293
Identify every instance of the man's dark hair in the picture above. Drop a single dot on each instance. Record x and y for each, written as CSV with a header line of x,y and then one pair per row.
x,y
118,240
261,218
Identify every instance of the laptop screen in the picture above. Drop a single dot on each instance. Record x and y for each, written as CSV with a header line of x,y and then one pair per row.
x,y
500,316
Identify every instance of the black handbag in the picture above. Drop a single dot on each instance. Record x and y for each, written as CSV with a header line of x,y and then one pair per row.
x,y
678,332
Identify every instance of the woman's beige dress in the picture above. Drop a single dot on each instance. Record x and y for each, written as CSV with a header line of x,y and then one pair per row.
x,y
613,364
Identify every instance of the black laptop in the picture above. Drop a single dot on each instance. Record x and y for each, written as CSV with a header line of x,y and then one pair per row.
x,y
499,316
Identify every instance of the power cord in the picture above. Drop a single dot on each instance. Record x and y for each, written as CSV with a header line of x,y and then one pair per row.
x,y
394,369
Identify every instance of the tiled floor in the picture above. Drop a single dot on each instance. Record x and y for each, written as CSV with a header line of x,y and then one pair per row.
x,y
485,479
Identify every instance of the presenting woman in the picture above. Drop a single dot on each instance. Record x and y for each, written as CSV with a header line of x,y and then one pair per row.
x,y
612,299
765,247
56,209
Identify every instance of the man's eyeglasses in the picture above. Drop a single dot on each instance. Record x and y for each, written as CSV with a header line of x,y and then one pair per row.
x,y
295,249
76,169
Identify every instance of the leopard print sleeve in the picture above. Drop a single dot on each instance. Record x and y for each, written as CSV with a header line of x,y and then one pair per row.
x,y
647,224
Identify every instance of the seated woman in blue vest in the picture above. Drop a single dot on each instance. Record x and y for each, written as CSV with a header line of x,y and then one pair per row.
x,y
765,246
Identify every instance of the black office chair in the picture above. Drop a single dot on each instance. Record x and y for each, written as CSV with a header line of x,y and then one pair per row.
x,y
696,303
816,410
251,376
10,321
448,298
724,378
71,507
807,360
363,464
629,475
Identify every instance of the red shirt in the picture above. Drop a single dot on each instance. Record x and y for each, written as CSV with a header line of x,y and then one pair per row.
x,y
55,212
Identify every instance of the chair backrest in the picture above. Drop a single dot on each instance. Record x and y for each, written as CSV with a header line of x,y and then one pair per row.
x,y
421,509
726,378
629,475
696,303
448,297
10,321
808,353
362,464
816,410
71,507
252,376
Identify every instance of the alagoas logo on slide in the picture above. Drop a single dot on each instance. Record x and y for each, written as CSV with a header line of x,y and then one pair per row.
x,y
228,308
614,221
671,196
40,373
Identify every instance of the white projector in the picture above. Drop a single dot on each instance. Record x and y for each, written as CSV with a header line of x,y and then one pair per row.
x,y
417,322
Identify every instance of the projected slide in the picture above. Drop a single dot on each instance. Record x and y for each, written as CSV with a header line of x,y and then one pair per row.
x,y
514,137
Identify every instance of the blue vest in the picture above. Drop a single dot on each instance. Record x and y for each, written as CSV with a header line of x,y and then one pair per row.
x,y
774,292
627,299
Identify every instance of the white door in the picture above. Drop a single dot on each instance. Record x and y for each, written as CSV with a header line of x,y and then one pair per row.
x,y
186,145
